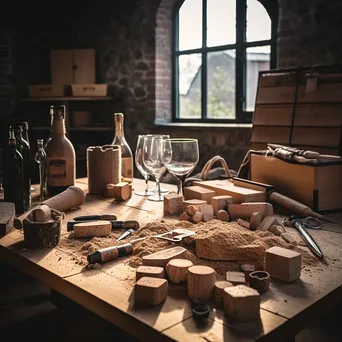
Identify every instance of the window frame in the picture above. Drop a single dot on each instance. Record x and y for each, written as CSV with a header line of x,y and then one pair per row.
x,y
240,46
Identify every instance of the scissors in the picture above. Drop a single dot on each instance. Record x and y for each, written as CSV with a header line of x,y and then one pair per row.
x,y
301,224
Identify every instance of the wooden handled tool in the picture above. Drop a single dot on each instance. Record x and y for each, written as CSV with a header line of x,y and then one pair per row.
x,y
295,206
70,198
110,253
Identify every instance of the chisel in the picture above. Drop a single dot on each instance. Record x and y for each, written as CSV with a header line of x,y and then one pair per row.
x,y
107,217
115,224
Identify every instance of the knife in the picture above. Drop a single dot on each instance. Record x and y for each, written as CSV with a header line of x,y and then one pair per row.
x,y
106,217
126,234
298,224
115,224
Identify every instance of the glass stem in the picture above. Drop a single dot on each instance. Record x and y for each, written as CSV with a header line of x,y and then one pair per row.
x,y
158,187
146,182
42,185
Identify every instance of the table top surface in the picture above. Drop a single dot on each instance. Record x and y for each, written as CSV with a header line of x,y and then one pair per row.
x,y
109,291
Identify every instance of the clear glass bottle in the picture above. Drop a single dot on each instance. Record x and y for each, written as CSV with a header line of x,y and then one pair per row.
x,y
126,152
24,148
60,154
13,175
41,158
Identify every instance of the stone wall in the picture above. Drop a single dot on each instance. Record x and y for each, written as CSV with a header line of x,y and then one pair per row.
x,y
132,39
309,32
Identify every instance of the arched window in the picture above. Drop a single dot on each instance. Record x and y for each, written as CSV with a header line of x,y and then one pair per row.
x,y
219,47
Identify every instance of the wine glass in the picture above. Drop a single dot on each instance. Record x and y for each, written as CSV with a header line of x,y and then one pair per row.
x,y
141,166
152,159
163,190
180,156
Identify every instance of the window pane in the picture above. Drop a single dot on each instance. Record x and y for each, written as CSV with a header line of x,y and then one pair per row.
x,y
220,22
258,59
190,25
221,84
258,22
190,84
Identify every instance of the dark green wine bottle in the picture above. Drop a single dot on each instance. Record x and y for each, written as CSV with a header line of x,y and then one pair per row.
x,y
24,148
13,175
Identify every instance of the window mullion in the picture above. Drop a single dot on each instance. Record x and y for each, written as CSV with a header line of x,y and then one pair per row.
x,y
240,66
204,60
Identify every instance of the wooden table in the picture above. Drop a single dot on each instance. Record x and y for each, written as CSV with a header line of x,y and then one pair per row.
x,y
285,308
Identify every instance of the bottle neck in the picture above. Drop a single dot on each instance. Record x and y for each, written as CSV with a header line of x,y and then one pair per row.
x,y
58,126
20,135
119,129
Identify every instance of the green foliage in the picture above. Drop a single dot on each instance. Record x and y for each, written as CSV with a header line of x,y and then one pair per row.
x,y
221,97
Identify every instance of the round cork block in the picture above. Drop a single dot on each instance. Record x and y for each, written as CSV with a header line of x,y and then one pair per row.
x,y
219,290
42,213
222,215
201,282
177,270
190,210
109,190
197,217
255,220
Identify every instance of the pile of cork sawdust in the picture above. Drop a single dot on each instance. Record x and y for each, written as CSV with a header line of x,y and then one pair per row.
x,y
216,238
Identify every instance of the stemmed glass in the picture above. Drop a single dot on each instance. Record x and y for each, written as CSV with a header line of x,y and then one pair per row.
x,y
152,159
180,156
139,151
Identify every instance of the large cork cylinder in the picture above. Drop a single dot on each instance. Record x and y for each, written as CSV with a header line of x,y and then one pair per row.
x,y
201,282
103,167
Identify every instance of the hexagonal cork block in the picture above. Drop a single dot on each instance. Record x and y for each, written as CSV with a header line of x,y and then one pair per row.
x,y
283,264
241,303
150,290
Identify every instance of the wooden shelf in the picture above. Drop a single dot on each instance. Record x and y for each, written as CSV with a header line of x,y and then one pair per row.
x,y
40,128
94,129
68,98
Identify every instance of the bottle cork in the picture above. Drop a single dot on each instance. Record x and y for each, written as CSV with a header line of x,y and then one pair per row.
x,y
42,213
201,282
177,270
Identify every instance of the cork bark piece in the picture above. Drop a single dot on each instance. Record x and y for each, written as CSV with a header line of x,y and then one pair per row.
x,y
177,270
150,290
92,229
149,271
201,282
283,264
161,258
242,303
289,238
173,204
122,191
236,278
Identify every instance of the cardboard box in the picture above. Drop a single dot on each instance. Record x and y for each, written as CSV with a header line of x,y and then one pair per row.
x,y
74,66
46,90
89,89
319,186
